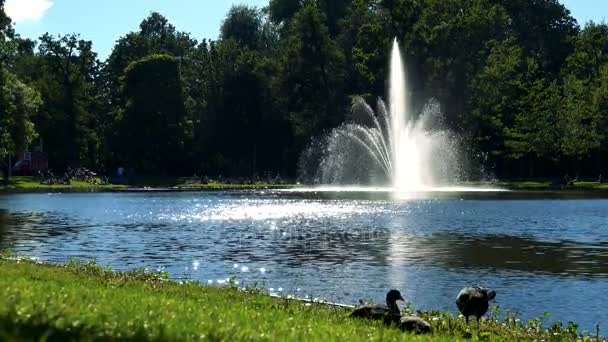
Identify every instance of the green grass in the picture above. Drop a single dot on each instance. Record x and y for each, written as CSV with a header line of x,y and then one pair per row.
x,y
29,184
182,182
87,302
546,185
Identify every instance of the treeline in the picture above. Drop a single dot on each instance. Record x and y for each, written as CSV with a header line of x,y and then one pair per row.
x,y
519,80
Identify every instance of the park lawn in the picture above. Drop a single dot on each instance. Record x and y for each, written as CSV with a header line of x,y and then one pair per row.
x,y
183,183
591,185
82,301
29,184
527,185
546,185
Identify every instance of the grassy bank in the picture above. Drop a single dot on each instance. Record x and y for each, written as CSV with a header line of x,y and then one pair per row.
x,y
546,185
29,184
86,302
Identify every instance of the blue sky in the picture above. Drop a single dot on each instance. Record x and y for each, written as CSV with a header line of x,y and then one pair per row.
x,y
104,21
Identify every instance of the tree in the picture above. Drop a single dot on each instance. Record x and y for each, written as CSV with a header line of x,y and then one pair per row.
x,y
243,24
583,115
545,29
155,36
153,127
518,79
580,120
311,78
496,99
590,53
6,35
450,44
18,103
281,11
64,71
335,11
366,44
531,138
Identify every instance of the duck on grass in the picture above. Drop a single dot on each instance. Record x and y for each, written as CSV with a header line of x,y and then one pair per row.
x,y
83,301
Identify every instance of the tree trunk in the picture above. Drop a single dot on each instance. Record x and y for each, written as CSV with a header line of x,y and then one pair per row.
x,y
8,170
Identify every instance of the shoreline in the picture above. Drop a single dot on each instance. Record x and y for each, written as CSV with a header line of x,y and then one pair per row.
x,y
109,189
28,185
84,300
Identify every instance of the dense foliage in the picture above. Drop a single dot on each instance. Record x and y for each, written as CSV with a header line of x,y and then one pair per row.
x,y
519,80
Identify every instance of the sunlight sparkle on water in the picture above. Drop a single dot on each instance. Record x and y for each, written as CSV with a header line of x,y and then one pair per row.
x,y
271,210
339,189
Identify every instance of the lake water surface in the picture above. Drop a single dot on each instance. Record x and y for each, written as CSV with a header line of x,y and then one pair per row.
x,y
539,255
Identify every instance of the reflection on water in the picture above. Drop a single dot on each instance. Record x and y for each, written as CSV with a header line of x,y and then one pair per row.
x,y
539,254
504,252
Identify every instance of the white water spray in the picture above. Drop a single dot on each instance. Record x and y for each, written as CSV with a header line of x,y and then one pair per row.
x,y
406,155
392,144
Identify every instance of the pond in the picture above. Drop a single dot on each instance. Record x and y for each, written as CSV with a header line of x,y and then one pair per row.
x,y
538,254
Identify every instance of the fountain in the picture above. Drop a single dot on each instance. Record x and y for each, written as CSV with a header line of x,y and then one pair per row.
x,y
392,146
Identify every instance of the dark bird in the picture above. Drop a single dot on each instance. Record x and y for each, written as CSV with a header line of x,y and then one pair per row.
x,y
380,311
474,301
414,324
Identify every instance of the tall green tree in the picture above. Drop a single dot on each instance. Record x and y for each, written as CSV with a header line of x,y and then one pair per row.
x,y
281,11
311,78
156,35
366,45
18,102
153,127
64,71
580,120
6,36
497,91
545,29
451,42
242,24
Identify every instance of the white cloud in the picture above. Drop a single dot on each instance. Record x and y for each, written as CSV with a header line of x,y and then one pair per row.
x,y
26,10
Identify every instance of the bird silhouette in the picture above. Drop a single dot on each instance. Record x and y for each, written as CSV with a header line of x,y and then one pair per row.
x,y
474,301
414,324
380,311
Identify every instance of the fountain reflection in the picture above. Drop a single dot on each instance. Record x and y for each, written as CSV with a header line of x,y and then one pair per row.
x,y
502,253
